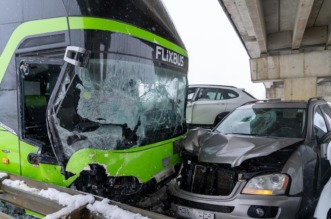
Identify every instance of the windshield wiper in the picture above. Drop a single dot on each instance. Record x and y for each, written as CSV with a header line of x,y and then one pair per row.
x,y
248,134
254,134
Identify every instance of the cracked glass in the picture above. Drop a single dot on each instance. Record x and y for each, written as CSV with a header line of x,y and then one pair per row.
x,y
119,102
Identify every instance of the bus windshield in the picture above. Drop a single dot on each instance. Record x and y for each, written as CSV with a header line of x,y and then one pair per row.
x,y
118,102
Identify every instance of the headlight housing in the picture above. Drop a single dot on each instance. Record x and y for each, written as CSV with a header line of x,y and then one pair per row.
x,y
273,184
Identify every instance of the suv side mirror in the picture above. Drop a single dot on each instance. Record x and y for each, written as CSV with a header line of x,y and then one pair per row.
x,y
325,138
326,151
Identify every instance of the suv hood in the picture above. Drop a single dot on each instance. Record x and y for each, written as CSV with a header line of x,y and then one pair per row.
x,y
234,149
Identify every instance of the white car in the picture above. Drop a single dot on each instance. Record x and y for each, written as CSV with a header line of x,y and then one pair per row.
x,y
207,105
323,208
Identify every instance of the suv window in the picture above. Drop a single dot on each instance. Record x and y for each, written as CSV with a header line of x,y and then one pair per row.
x,y
230,93
327,112
319,124
219,95
191,92
210,94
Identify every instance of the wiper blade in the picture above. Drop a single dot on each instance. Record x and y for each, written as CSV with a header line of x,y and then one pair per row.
x,y
254,134
248,134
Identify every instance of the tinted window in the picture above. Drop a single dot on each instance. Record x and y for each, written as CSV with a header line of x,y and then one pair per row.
x,y
230,94
319,124
203,94
210,94
219,95
191,92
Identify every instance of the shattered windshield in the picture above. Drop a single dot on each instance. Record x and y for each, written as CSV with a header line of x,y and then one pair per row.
x,y
276,122
119,102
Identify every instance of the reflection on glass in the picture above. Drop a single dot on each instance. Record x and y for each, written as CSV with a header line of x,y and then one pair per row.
x,y
277,122
119,104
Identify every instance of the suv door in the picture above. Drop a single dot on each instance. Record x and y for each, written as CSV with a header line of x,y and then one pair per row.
x,y
233,99
321,127
209,102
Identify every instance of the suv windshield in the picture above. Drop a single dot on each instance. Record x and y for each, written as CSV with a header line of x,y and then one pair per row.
x,y
119,102
277,122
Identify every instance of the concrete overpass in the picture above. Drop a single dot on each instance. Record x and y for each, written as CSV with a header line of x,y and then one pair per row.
x,y
289,44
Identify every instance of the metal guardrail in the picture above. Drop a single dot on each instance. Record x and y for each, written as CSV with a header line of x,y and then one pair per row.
x,y
44,206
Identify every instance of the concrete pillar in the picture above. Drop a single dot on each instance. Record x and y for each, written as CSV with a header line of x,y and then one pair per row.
x,y
300,88
275,92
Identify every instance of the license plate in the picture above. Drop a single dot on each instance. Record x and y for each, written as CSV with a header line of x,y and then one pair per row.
x,y
194,213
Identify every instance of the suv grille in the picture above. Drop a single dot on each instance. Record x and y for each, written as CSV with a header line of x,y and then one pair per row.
x,y
207,180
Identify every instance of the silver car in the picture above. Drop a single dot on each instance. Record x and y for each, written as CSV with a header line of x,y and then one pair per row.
x,y
207,105
264,160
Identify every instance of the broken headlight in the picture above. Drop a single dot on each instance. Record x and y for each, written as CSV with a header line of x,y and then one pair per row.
x,y
273,184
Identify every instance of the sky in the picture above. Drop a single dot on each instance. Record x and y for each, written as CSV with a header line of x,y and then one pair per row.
x,y
216,54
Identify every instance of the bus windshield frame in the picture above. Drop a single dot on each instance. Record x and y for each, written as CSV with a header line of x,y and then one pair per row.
x,y
117,102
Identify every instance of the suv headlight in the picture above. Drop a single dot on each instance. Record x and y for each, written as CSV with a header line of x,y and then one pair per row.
x,y
273,184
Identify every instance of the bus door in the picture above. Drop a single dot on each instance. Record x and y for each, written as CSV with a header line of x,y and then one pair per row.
x,y
37,78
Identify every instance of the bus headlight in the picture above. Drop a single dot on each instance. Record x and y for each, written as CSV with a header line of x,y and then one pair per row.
x,y
273,184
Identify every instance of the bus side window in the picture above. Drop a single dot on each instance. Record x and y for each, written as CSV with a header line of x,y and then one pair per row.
x,y
38,80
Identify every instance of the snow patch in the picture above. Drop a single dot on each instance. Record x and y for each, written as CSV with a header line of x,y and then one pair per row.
x,y
3,175
73,202
112,211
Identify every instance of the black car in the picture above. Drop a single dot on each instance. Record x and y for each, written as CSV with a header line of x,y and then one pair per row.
x,y
264,160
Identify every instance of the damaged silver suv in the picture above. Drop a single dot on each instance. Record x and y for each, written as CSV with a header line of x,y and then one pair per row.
x,y
264,160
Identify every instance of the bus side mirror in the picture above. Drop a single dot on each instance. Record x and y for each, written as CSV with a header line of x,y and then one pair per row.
x,y
33,159
76,56
24,69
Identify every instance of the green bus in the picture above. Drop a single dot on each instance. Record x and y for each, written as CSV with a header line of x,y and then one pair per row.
x,y
92,94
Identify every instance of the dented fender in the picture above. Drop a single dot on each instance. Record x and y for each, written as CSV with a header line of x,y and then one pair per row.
x,y
143,162
211,147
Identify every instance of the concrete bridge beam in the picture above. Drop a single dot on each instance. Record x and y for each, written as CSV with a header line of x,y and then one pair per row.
x,y
299,72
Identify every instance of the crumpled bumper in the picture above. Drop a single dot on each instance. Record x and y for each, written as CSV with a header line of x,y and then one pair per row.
x,y
235,205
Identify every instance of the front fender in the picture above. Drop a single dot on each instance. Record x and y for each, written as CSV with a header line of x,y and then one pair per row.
x,y
301,167
142,162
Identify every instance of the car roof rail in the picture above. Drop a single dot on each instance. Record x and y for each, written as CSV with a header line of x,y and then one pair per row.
x,y
315,98
268,100
220,85
259,101
250,102
271,100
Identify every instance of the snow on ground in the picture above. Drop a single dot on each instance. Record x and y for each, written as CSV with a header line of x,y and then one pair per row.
x,y
3,175
72,202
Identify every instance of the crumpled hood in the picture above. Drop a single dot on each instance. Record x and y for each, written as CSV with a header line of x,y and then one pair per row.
x,y
234,149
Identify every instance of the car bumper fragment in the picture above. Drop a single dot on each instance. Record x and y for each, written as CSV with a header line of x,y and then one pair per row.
x,y
236,205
